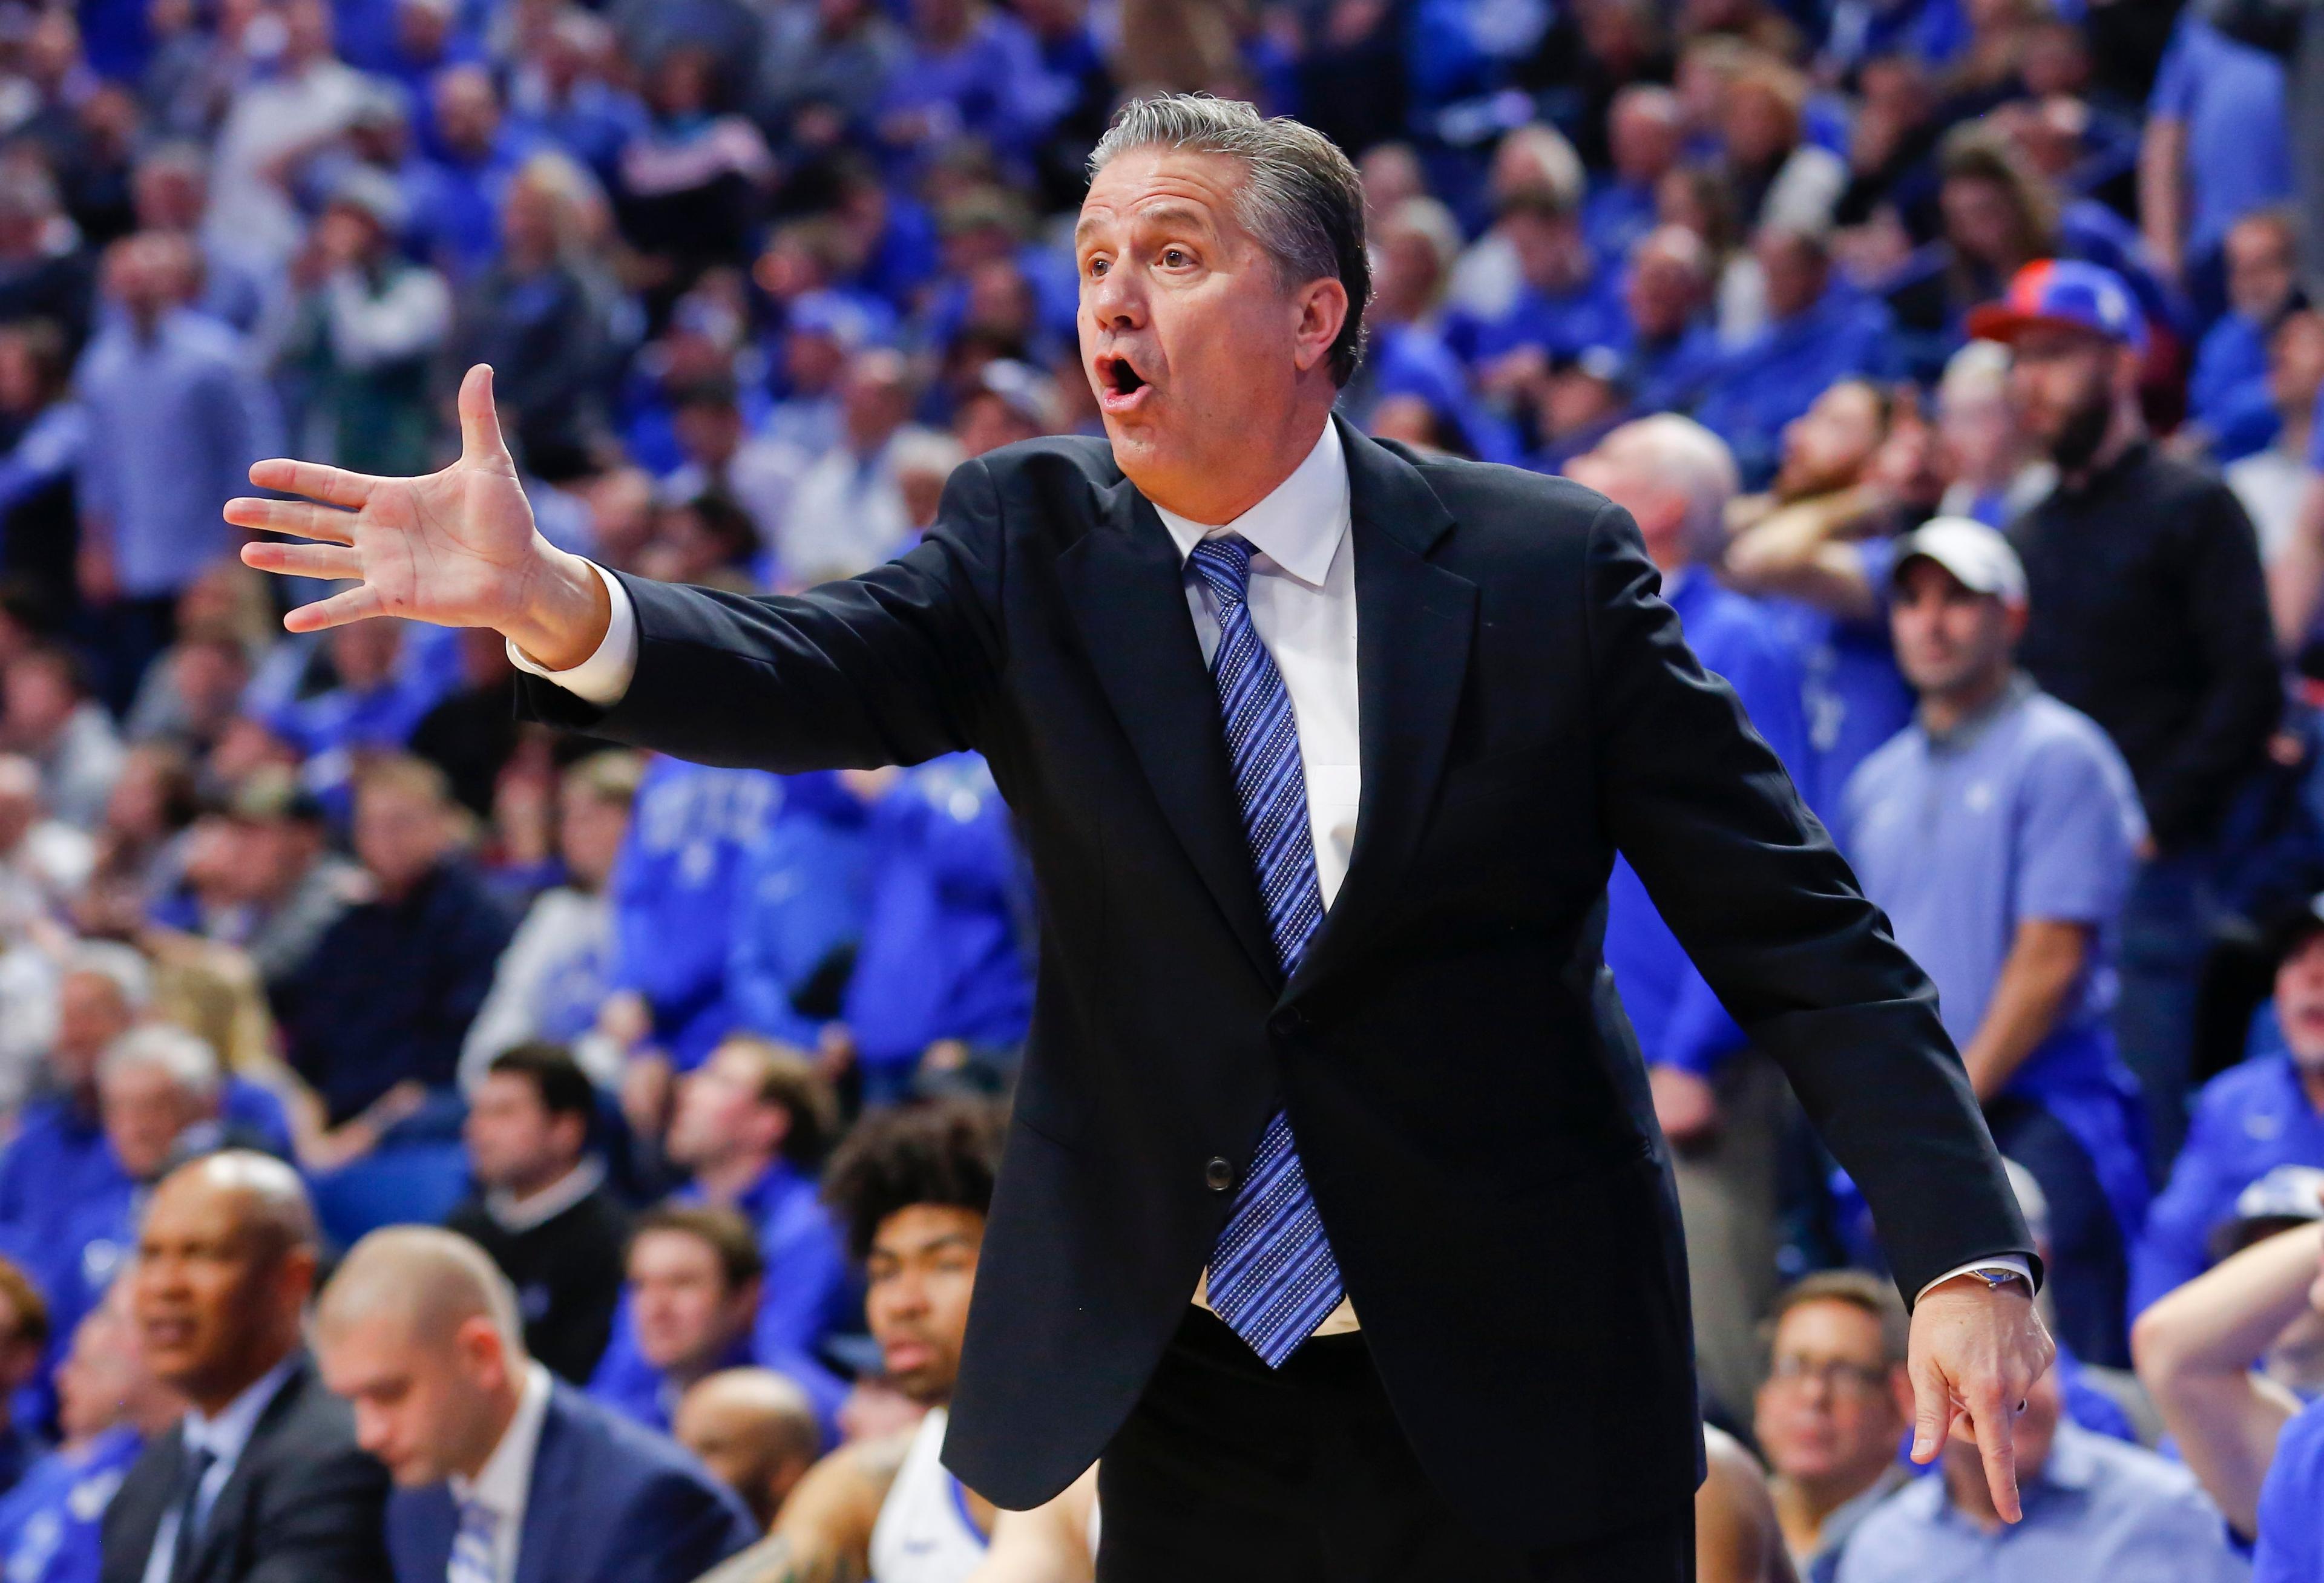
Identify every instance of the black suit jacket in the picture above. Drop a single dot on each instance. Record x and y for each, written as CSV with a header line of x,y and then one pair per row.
x,y
303,1504
1467,1095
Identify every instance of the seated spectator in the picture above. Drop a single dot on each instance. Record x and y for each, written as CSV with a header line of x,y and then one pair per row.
x,y
194,690
754,1428
696,1279
1992,469
52,721
479,155
2228,397
140,844
1009,401
43,861
1532,158
940,993
365,325
2197,1349
471,733
1417,245
225,1264
706,539
540,1208
2019,935
1674,348
2095,1511
2248,1121
1565,299
25,1330
847,514
750,475
1781,179
1833,1410
59,1159
2273,482
799,907
1820,331
262,876
378,1009
419,1333
913,1186
690,179
1720,1112
1645,134
549,982
374,705
108,1404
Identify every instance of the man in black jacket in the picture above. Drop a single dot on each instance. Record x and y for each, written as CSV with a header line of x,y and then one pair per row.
x,y
262,1482
1333,1211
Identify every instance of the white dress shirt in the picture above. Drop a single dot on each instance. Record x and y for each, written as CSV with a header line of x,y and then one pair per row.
x,y
225,1438
1303,605
505,1483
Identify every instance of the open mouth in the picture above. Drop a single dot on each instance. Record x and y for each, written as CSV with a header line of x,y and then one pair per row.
x,y
1120,382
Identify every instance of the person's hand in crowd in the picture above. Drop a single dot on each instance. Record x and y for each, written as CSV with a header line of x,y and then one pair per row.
x,y
1974,1352
456,547
359,1135
1686,1105
95,571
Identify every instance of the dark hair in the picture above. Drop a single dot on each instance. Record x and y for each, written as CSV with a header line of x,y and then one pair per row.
x,y
1301,197
17,1290
729,525
944,1153
1858,1290
727,1234
789,1081
564,1088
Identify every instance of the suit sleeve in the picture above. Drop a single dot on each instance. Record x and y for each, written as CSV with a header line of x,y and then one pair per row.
x,y
1772,915
325,1518
679,1528
895,667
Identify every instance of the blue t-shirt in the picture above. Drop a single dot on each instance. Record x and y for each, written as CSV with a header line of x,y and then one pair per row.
x,y
2231,97
2292,1504
51,1524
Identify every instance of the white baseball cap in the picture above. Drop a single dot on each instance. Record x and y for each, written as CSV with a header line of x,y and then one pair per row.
x,y
1977,555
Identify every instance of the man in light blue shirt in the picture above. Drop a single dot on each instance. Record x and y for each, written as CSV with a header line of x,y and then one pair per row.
x,y
2097,1511
1998,831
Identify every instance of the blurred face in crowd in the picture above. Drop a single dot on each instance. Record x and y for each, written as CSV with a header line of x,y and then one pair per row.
x,y
1550,253
875,397
1391,173
2262,267
467,111
218,1291
590,826
426,1405
720,1114
2065,383
145,1110
104,1381
1829,446
1795,272
688,1317
1983,222
922,1270
91,1013
987,422
400,834
1950,641
2300,1002
170,194
1647,134
1202,356
1405,274
1760,125
1665,288
755,1432
515,1145
364,653
2295,363
41,697
1977,432
1833,1408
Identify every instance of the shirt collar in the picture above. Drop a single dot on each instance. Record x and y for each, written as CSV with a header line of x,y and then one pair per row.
x,y
224,1435
511,1213
505,1483
1969,732
1300,523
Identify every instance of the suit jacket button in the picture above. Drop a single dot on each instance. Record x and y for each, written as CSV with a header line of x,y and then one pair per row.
x,y
1218,1174
1288,1023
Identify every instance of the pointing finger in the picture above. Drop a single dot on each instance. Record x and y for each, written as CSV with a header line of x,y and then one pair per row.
x,y
480,420
307,521
1996,1441
303,560
341,609
315,481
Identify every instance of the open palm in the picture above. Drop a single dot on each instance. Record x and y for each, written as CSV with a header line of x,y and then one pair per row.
x,y
456,547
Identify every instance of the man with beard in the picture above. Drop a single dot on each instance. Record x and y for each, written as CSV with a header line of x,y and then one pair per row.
x,y
2149,614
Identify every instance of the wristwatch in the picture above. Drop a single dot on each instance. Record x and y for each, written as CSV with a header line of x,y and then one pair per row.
x,y
1997,1278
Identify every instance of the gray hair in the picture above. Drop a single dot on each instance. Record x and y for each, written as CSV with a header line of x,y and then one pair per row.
x,y
1688,458
185,1059
124,966
1300,196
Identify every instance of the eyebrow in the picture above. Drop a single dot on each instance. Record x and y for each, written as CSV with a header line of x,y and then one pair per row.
x,y
1166,214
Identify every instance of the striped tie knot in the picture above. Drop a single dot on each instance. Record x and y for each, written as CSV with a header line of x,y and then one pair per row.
x,y
1225,563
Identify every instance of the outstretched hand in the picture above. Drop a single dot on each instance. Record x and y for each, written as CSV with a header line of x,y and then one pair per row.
x,y
1974,1353
456,547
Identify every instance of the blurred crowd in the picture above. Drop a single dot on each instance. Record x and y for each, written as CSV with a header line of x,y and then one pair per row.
x,y
1957,358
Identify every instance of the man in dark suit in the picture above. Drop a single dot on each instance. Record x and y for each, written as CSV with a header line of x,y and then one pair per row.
x,y
262,1482
1323,751
503,1475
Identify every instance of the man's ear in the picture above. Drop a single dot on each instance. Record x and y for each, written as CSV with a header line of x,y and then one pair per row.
x,y
1323,309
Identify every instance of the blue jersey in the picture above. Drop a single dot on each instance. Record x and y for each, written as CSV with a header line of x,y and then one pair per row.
x,y
51,1524
798,910
2292,1504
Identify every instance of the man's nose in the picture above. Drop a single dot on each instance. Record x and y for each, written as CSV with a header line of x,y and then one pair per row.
x,y
1115,301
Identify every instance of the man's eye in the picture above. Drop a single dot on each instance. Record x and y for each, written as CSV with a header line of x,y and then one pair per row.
x,y
1174,256
1097,267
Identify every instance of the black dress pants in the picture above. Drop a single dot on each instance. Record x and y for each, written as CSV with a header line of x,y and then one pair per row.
x,y
1229,1471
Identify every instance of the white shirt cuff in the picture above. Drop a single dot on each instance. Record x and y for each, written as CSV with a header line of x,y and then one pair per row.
x,y
2008,1262
602,677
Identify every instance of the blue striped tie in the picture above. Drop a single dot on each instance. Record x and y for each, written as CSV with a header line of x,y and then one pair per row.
x,y
1273,1278
475,1552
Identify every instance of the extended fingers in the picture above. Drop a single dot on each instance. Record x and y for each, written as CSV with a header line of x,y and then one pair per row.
x,y
480,420
1932,1409
298,517
1996,1442
352,604
330,561
315,481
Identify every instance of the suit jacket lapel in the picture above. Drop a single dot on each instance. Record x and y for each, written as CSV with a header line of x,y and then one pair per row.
x,y
1126,586
1414,622
229,1514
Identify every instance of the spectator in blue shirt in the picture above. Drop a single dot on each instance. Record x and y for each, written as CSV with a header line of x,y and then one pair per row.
x,y
2215,150
2227,393
1416,245
941,987
479,154
1565,301
1820,330
59,1159
972,71
800,911
1675,478
674,895
2249,1120
2095,1511
1645,134
1673,347
1998,833
373,706
563,93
